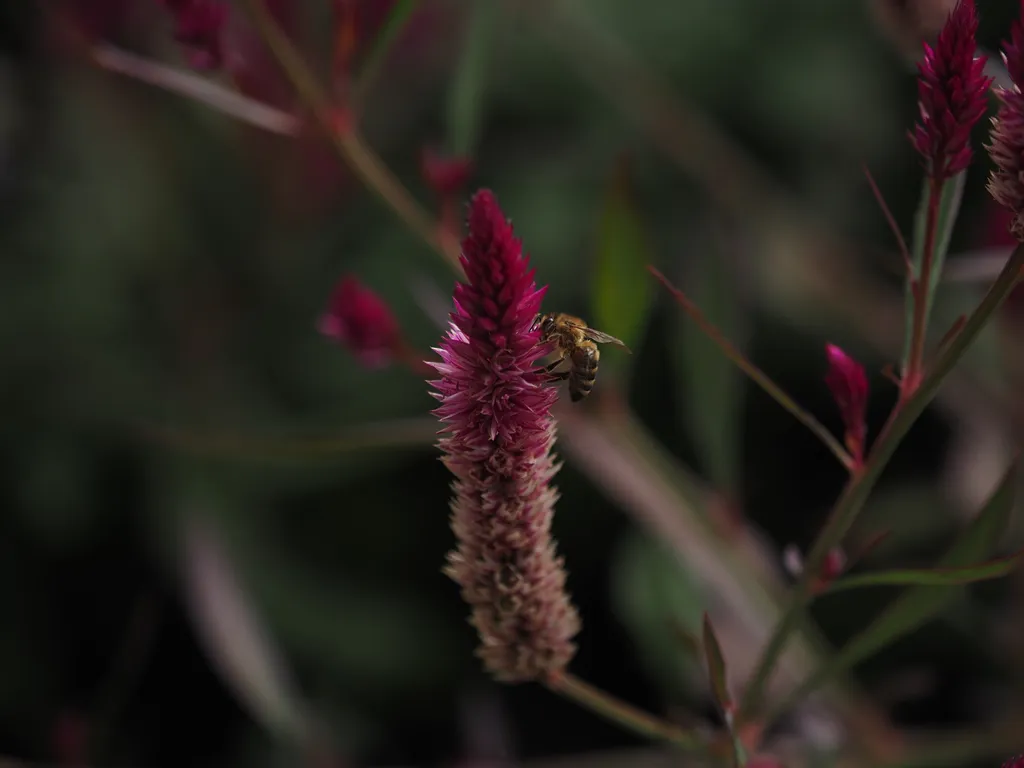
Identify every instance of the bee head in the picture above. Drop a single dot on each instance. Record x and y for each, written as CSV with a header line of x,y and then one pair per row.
x,y
545,323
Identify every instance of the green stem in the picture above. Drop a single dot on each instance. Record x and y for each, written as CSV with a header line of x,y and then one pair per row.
x,y
758,376
920,294
860,484
617,711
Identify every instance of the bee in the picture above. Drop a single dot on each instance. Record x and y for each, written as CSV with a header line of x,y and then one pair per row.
x,y
576,342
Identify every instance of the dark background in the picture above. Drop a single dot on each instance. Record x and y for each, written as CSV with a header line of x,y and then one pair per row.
x,y
163,269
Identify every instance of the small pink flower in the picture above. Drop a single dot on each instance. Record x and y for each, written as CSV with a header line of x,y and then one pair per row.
x,y
1006,184
360,320
951,95
849,385
1016,762
446,176
499,434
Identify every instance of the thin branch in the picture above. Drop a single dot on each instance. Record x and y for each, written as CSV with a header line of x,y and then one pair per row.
x,y
618,711
893,226
350,145
758,376
197,88
860,485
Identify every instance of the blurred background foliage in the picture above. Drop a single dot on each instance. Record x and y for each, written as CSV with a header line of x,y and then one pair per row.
x,y
164,266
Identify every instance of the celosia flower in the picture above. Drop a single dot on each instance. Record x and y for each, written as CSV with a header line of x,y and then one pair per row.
x,y
951,95
1006,184
199,26
496,407
849,385
359,319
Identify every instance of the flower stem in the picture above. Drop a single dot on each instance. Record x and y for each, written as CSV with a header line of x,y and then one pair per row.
x,y
350,145
758,376
618,711
859,485
921,296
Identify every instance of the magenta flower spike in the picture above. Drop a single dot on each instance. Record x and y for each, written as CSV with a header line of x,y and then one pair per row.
x,y
849,385
358,318
498,438
1006,184
951,95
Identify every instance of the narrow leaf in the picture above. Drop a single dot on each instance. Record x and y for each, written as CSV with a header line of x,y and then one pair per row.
x,y
622,291
235,639
465,98
938,577
716,670
949,208
919,604
713,387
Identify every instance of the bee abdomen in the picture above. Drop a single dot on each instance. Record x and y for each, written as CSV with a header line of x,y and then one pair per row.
x,y
584,372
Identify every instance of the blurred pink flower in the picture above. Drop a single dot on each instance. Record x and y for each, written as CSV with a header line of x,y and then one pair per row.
x,y
499,434
1017,762
1006,184
951,94
199,27
360,320
446,176
849,385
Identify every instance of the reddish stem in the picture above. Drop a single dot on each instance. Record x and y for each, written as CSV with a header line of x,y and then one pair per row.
x,y
921,295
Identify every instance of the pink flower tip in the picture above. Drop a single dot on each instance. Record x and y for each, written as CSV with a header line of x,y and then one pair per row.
x,y
359,319
951,95
849,385
1016,762
447,176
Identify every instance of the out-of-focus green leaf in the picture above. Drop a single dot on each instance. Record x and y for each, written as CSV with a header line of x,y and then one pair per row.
x,y
398,433
720,687
919,604
622,289
939,577
712,384
235,638
466,95
949,208
660,604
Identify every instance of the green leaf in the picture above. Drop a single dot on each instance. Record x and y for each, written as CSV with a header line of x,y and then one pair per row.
x,y
938,577
919,604
235,638
720,687
658,601
716,669
465,98
713,385
622,289
949,208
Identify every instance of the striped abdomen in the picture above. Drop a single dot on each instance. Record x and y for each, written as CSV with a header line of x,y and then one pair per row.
x,y
584,370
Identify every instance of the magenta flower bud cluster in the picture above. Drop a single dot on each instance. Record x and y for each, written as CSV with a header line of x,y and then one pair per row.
x,y
951,95
498,438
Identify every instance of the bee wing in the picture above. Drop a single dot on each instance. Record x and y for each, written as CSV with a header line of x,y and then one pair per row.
x,y
603,338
